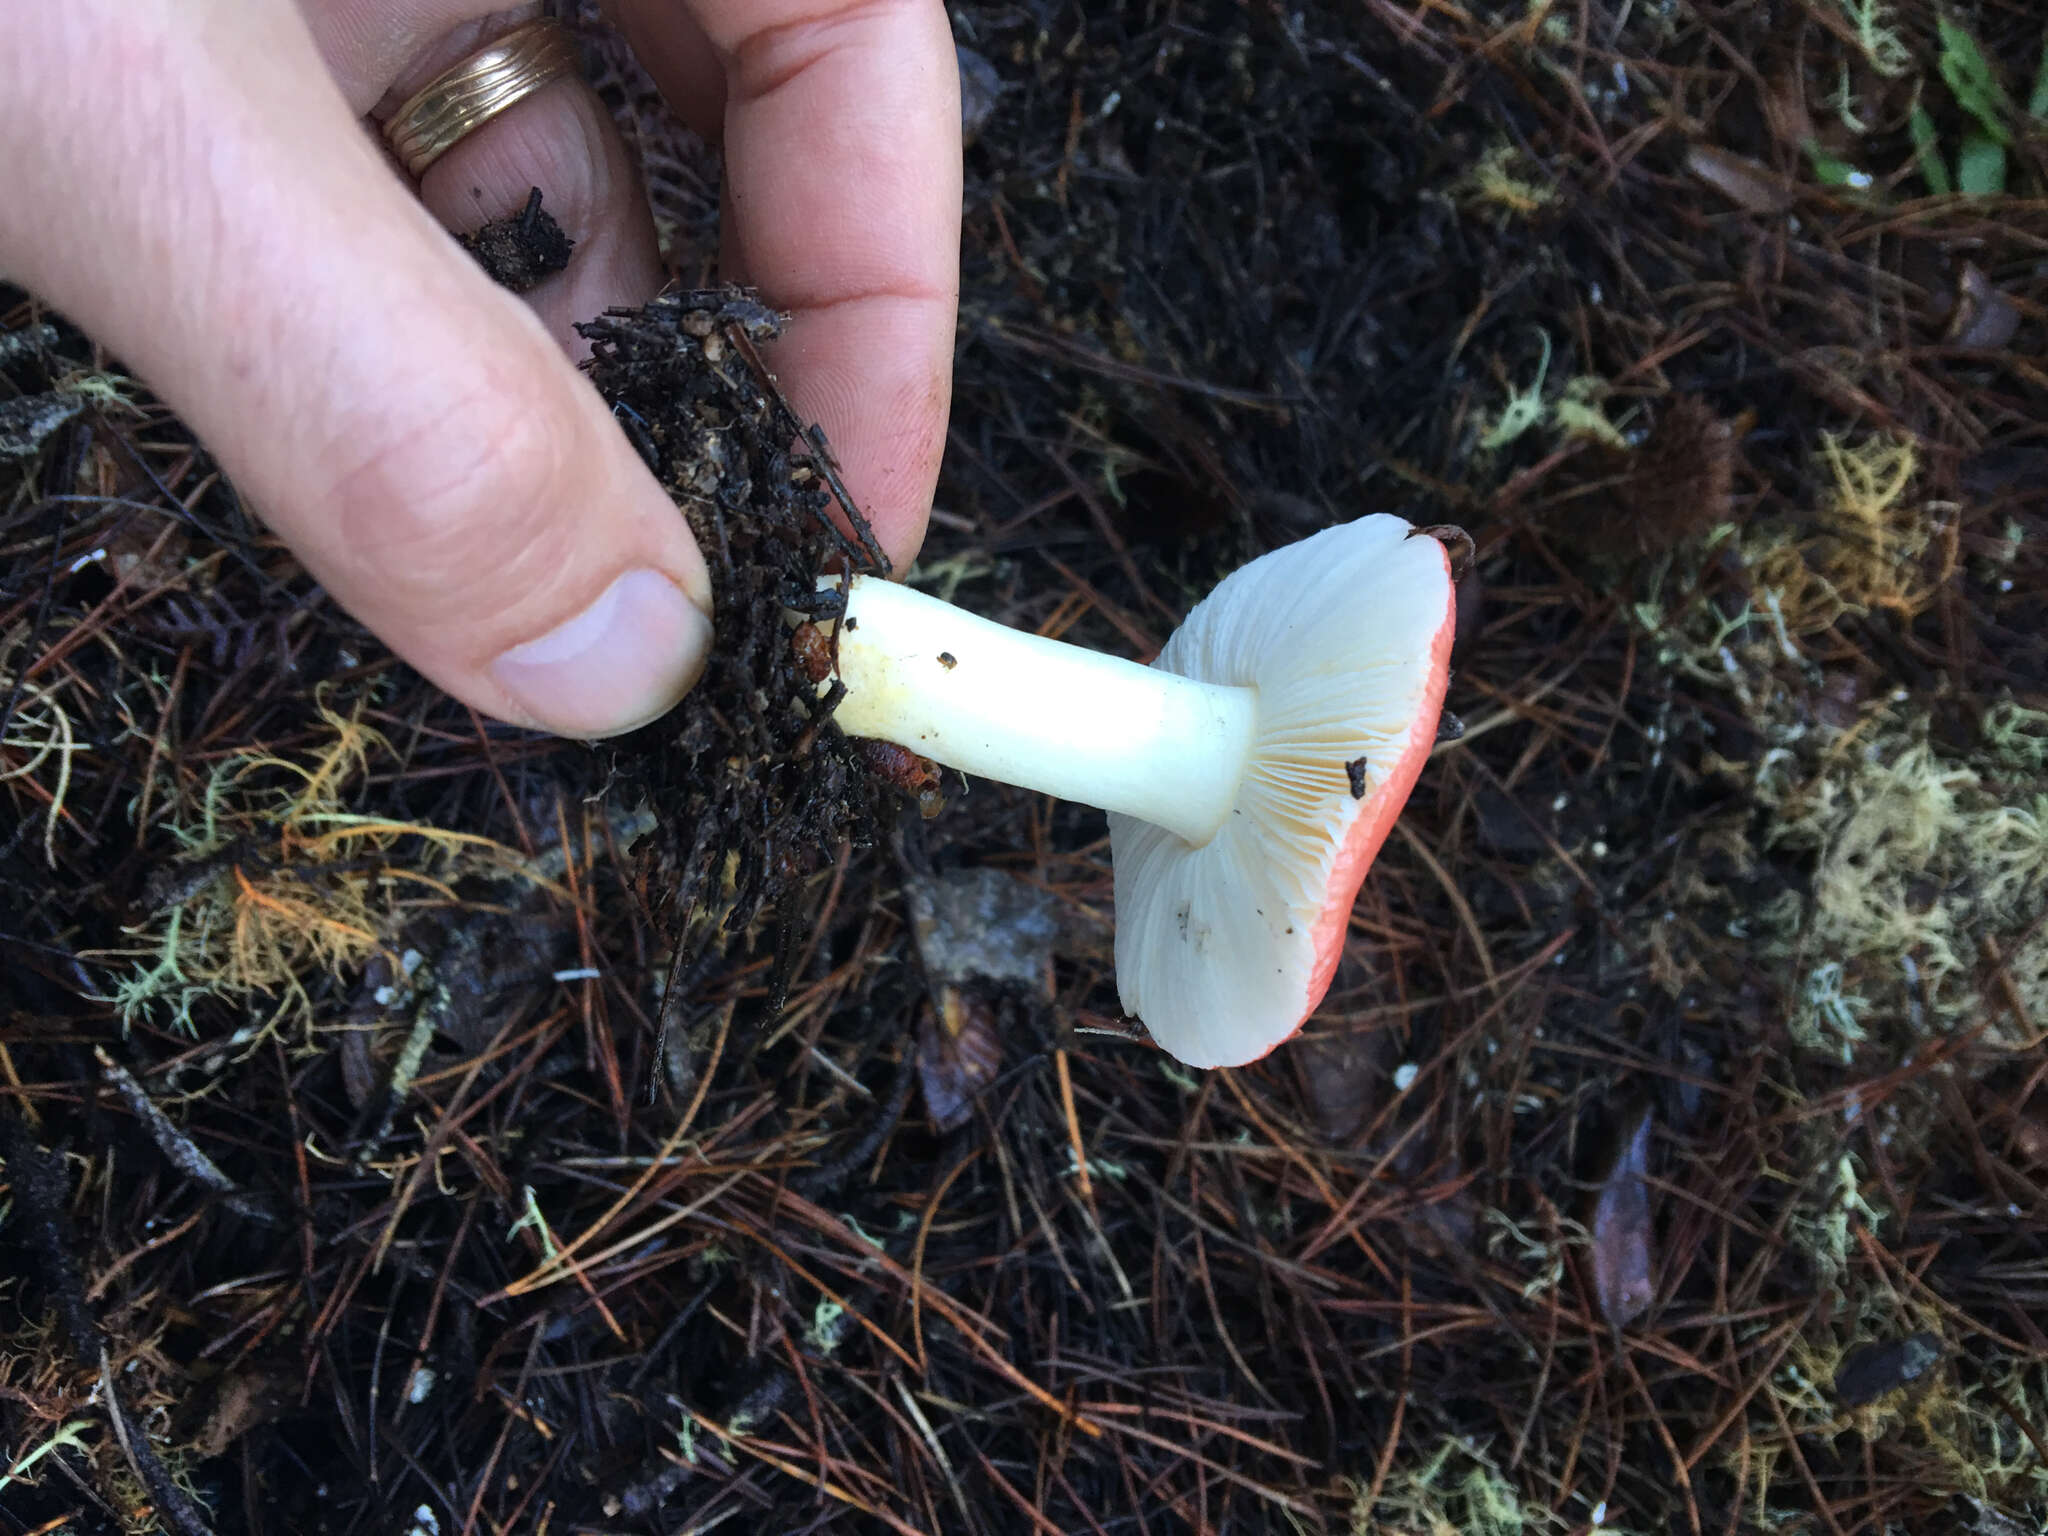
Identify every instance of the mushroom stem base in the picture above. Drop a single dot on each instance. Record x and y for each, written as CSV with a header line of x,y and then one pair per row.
x,y
1040,714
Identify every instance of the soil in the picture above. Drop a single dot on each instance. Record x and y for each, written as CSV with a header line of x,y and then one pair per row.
x,y
523,250
411,1124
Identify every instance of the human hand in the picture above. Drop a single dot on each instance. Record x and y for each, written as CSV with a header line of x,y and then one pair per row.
x,y
194,183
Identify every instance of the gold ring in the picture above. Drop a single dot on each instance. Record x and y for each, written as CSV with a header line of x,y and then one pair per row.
x,y
461,99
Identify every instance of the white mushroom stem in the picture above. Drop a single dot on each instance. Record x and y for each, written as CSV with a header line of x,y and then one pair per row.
x,y
1041,714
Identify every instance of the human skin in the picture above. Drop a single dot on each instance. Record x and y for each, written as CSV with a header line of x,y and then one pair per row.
x,y
199,184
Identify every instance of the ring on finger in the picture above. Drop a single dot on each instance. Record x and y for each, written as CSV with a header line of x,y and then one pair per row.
x,y
465,96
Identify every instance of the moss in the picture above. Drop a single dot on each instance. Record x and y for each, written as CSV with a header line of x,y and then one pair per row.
x,y
1877,36
1824,1230
1876,531
1501,179
280,883
1460,1490
40,727
1958,1417
1889,879
1578,413
1919,857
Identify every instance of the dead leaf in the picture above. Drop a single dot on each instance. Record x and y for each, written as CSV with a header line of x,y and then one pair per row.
x,y
979,933
2030,1139
245,1399
959,1052
145,553
1344,1079
1984,316
1621,1231
1743,181
1785,111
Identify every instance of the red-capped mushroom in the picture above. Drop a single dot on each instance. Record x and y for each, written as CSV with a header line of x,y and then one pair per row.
x,y
1251,772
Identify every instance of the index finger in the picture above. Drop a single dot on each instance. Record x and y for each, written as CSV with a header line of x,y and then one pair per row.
x,y
842,142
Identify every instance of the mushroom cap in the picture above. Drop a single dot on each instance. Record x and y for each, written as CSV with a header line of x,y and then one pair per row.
x,y
1223,950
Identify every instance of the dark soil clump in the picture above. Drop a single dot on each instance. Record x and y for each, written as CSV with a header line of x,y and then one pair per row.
x,y
523,250
749,784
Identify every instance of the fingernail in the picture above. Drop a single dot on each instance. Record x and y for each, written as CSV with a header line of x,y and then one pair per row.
x,y
619,663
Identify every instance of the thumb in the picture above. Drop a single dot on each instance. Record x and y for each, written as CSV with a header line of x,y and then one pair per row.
x,y
408,428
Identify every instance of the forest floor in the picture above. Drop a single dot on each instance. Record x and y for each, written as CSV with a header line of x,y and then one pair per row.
x,y
1672,1151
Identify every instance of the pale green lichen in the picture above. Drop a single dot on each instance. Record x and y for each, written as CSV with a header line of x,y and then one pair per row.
x,y
1460,1489
1503,179
1922,860
1877,36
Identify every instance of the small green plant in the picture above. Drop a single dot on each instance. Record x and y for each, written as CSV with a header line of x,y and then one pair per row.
x,y
1977,167
68,1436
1980,168
1524,408
1499,180
1574,412
1833,1019
284,883
1833,171
828,1326
1980,160
1877,37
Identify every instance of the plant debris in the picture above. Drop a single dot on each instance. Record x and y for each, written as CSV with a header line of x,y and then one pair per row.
x,y
748,784
524,250
1621,1234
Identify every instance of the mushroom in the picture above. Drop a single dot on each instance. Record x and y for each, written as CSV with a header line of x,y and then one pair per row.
x,y
1250,773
